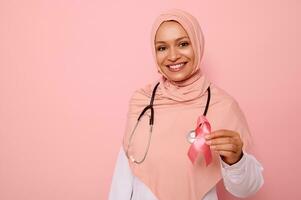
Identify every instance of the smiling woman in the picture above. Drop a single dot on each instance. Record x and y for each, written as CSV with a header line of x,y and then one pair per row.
x,y
174,53
162,157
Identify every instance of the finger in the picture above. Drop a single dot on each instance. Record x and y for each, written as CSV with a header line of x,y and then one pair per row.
x,y
221,133
226,153
225,147
222,140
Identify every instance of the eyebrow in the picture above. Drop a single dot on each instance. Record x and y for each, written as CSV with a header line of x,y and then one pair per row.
x,y
180,38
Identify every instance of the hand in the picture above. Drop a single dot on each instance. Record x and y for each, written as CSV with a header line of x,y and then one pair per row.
x,y
227,144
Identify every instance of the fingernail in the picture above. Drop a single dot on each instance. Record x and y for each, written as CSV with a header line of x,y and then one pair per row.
x,y
207,136
208,142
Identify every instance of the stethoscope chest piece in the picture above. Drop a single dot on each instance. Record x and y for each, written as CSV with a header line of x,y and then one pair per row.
x,y
191,136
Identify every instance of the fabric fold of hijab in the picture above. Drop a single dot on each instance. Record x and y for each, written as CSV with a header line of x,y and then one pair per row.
x,y
167,170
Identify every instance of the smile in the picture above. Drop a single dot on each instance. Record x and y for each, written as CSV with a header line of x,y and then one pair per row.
x,y
176,67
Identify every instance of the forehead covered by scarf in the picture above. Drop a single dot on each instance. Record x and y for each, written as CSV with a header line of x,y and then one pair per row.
x,y
192,28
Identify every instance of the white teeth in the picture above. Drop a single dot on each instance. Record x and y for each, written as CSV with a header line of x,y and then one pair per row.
x,y
176,66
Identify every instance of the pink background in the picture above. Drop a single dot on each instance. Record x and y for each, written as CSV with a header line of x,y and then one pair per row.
x,y
68,68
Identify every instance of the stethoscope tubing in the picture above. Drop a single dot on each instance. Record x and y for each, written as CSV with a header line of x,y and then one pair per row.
x,y
151,123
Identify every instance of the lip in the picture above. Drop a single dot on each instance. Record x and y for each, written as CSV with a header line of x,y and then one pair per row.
x,y
176,64
176,69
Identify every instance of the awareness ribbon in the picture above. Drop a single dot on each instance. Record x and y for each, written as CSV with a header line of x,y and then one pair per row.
x,y
199,146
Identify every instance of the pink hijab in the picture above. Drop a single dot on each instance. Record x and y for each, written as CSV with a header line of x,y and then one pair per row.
x,y
167,170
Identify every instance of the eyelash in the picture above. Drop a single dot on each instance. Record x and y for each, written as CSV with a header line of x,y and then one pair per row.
x,y
162,48
186,43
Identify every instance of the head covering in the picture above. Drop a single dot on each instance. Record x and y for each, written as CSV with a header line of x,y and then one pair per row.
x,y
167,170
194,32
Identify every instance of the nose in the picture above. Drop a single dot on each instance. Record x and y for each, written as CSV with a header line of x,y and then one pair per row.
x,y
173,55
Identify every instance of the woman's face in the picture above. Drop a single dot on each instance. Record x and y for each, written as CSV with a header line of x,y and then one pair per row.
x,y
174,52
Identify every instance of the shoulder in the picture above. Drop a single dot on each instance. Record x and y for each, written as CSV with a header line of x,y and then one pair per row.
x,y
222,98
142,95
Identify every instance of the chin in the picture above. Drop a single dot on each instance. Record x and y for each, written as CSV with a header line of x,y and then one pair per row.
x,y
177,79
177,76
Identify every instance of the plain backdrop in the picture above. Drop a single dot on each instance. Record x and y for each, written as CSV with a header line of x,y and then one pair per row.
x,y
69,67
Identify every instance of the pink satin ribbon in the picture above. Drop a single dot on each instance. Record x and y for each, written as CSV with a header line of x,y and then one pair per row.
x,y
199,146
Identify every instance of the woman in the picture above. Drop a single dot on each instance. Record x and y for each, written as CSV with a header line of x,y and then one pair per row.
x,y
159,159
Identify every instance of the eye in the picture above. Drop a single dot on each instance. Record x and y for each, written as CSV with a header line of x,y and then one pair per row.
x,y
161,48
184,44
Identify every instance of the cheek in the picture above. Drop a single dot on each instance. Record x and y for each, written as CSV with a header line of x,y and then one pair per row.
x,y
160,58
189,54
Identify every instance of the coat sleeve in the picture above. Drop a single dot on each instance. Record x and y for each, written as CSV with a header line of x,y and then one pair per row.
x,y
243,178
122,181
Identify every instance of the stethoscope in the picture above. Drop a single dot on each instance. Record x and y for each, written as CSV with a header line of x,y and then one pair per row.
x,y
190,135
